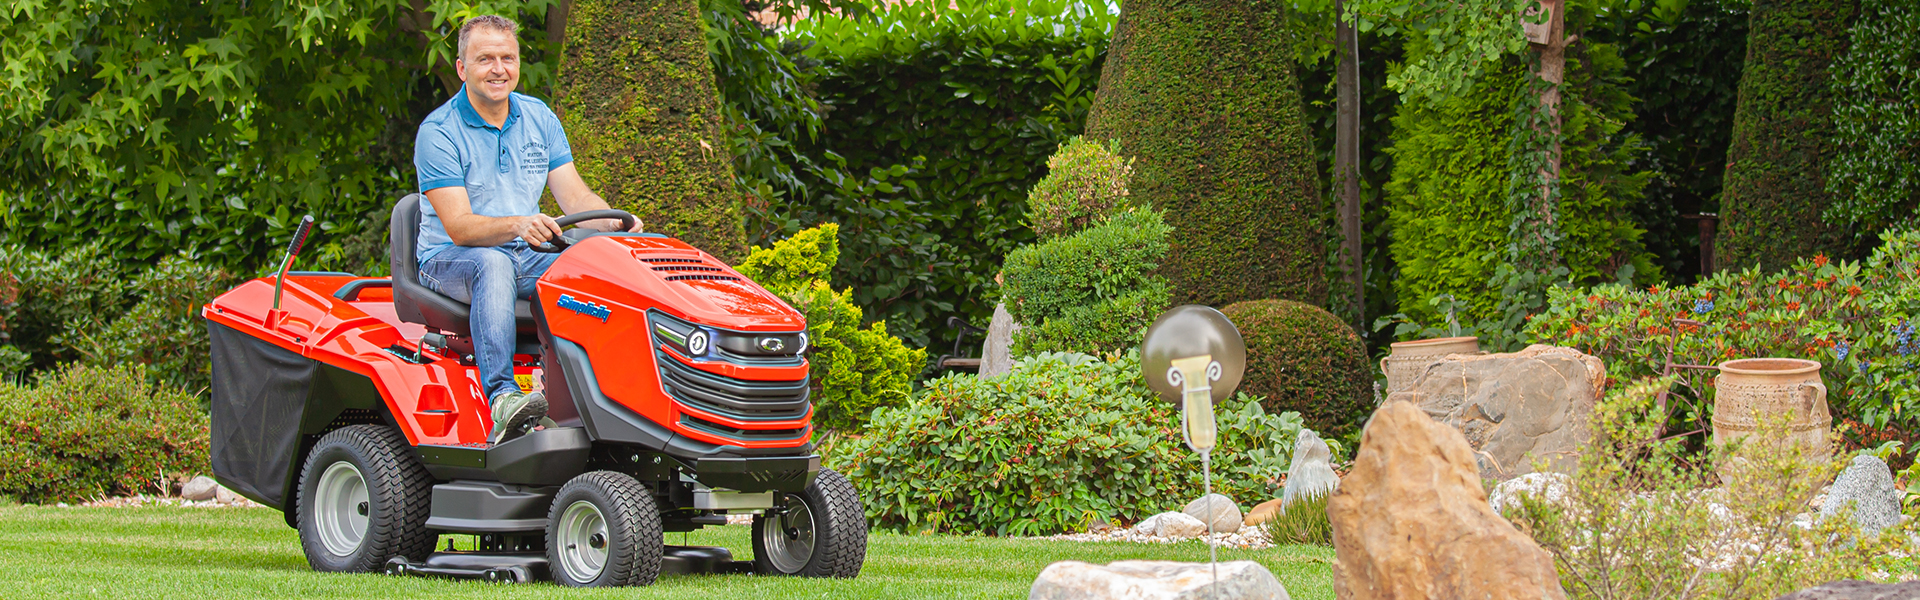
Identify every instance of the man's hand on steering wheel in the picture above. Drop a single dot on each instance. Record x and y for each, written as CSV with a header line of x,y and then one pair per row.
x,y
536,229
613,225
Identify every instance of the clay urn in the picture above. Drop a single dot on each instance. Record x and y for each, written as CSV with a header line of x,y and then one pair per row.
x,y
1409,359
1753,393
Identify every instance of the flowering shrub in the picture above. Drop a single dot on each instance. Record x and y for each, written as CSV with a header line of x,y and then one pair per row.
x,y
1857,319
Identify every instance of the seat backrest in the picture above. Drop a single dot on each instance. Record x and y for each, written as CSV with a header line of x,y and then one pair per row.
x,y
404,230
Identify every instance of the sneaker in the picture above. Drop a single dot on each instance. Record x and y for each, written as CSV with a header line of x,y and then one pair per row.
x,y
514,413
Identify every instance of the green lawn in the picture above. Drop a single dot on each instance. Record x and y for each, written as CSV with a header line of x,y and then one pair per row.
x,y
226,554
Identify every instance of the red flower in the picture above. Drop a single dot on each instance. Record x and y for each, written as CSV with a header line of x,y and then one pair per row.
x,y
1820,260
1793,306
1853,290
1784,284
1653,289
1820,285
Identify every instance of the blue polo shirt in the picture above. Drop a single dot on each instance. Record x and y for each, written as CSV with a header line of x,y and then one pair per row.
x,y
503,168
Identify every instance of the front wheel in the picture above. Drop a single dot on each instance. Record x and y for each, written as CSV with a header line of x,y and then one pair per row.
x,y
604,531
820,532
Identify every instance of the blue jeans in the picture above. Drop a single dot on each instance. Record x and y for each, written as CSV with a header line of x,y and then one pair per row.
x,y
489,279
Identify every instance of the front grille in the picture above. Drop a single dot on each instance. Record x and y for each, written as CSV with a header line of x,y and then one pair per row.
x,y
702,278
687,268
739,399
672,260
761,435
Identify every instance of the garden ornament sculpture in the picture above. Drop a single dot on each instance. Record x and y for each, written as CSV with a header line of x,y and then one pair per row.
x,y
1194,356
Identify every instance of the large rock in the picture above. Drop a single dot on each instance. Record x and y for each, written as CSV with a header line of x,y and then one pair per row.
x,y
1551,488
1156,580
1514,407
1411,521
1312,471
1263,512
199,488
1867,486
1859,590
996,354
1224,514
1171,525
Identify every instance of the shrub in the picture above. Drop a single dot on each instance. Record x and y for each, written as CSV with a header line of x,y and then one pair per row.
x,y
1783,137
163,330
1855,318
1093,291
1301,358
940,118
1874,176
1204,97
58,297
83,432
1447,197
854,370
1062,441
1086,182
1636,523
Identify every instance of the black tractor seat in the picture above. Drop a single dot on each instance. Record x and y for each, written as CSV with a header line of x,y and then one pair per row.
x,y
417,303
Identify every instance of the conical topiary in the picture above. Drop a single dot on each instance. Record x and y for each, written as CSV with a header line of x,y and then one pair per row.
x,y
1202,95
636,94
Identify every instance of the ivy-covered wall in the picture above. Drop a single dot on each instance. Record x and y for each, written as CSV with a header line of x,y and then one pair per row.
x,y
1447,195
1775,189
637,96
1203,95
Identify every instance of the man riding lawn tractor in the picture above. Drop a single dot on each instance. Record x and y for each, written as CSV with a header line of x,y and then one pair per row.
x,y
483,159
380,413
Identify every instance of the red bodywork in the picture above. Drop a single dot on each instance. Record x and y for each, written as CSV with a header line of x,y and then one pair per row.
x,y
440,402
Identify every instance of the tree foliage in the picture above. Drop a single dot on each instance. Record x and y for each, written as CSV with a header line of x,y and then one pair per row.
x,y
161,126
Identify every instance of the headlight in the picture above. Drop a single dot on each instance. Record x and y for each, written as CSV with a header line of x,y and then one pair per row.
x,y
697,343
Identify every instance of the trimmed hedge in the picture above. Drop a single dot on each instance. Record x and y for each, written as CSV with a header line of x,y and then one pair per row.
x,y
1301,358
855,369
941,117
636,94
1058,443
1875,173
85,432
1782,138
1094,291
1447,201
1202,94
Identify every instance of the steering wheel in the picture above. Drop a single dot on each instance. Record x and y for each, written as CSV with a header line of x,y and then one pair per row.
x,y
561,242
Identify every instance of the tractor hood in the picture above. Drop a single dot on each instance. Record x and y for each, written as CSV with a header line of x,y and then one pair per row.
x,y
649,271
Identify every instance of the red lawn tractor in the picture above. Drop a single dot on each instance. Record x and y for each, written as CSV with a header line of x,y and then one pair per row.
x,y
677,390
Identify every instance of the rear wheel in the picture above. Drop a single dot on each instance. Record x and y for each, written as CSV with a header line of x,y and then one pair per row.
x,y
820,532
364,499
604,531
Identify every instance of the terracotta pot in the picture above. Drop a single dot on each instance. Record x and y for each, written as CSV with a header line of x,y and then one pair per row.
x,y
1410,359
1752,392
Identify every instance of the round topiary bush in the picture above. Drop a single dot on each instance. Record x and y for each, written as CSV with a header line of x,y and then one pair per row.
x,y
1302,358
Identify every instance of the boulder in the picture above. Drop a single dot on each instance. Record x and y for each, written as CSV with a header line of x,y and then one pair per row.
x,y
1552,488
225,496
1412,521
996,354
1171,525
1312,471
1224,514
1867,486
1514,407
1263,512
1156,580
1859,590
199,488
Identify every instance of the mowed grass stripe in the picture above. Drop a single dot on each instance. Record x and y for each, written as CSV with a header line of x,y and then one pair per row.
x,y
145,553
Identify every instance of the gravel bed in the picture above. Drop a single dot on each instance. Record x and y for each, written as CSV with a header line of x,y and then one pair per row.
x,y
1248,538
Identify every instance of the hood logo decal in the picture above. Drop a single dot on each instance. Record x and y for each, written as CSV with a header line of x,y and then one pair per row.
x,y
589,309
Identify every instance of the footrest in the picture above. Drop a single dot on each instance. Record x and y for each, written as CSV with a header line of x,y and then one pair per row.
x,y
694,560
505,567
